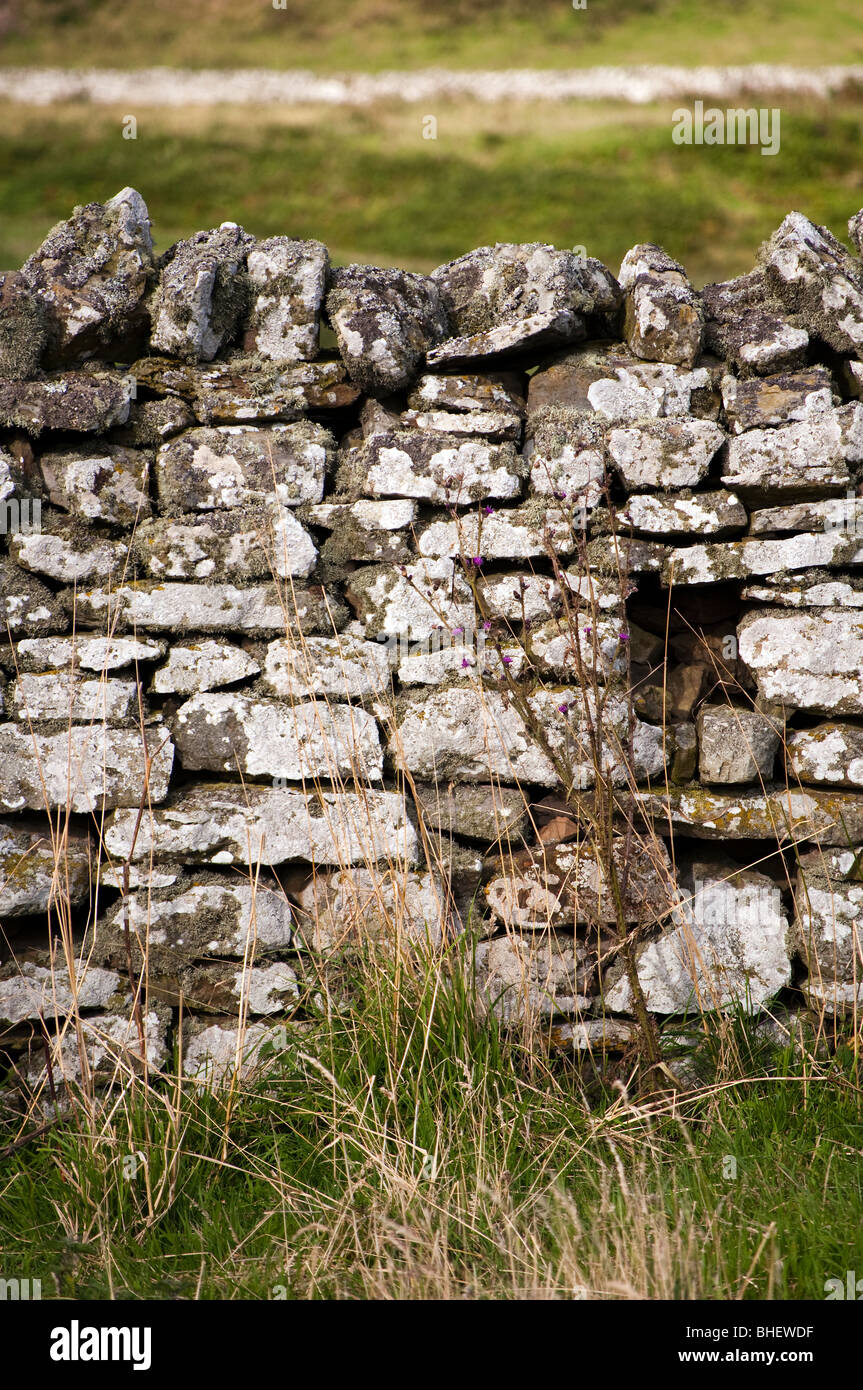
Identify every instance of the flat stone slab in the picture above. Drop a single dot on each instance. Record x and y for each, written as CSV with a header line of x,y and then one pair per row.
x,y
81,402
68,558
808,660
828,928
68,696
31,991
664,453
223,823
239,465
344,667
287,281
791,817
817,590
830,754
520,978
470,393
29,878
356,906
430,596
245,543
712,564
728,948
384,321
606,379
736,745
700,514
259,610
566,454
515,533
780,399
82,768
806,459
222,732
486,813
203,665
239,391
90,653
843,514
432,467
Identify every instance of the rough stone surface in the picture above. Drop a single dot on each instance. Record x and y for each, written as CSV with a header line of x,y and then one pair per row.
x,y
828,929
356,905
700,514
100,482
243,390
237,545
433,468
90,653
66,696
384,321
204,665
344,667
240,465
605,378
735,745
28,608
566,453
30,858
664,318
816,278
82,768
804,459
830,754
286,284
260,610
812,661
66,558
33,991
81,402
202,295
664,453
519,979
775,400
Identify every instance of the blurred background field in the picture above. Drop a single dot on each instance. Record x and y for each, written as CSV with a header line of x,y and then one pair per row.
x,y
364,180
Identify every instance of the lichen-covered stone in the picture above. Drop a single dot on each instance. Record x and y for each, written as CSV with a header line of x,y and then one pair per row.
x,y
664,319
499,393
82,768
224,823
32,991
243,390
100,482
90,653
665,453
239,465
511,298
384,321
746,324
520,979
68,556
287,279
516,533
25,326
81,402
344,667
834,514
808,458
699,514
238,545
202,294
430,596
204,665
390,907
729,947
830,754
780,399
828,929
28,608
808,660
736,745
520,596
222,732
605,379
432,467
92,272
566,454
263,610
818,280
789,816
214,1052
487,813
65,695
40,869
712,564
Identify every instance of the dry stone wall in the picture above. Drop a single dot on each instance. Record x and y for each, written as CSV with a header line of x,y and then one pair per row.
x,y
303,644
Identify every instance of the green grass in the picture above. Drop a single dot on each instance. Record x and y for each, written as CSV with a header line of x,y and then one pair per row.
x,y
369,185
374,34
316,1181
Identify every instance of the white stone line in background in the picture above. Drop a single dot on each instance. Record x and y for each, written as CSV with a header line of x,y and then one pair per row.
x,y
209,87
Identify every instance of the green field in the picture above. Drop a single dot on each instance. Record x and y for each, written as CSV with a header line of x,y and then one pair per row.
x,y
376,34
366,182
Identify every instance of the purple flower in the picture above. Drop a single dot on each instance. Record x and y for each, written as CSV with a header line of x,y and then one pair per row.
x,y
507,660
588,631
458,629
624,637
564,709
486,626
561,496
488,511
464,661
477,560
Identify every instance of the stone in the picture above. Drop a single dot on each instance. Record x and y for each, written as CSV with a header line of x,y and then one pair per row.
x,y
202,295
227,732
467,734
498,393
789,816
664,319
254,990
261,610
82,769
287,280
807,660
80,402
390,514
780,399
828,928
698,514
384,321
566,454
31,991
806,459
430,596
204,919
30,854
578,644
817,280
90,653
390,907
511,298
113,1047
99,482
25,328
244,543
746,324
813,590
566,885
458,654
712,564
346,667
830,754
490,424
605,379
520,979
855,231
68,556
595,1035
91,273
27,606
67,696
665,453
204,665
520,596
150,423
242,390
517,533
728,947
432,467
490,813
213,1053
834,514
223,823
735,745
240,465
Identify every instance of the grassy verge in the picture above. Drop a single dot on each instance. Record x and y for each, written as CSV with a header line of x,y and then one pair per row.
x,y
411,1149
373,34
369,185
